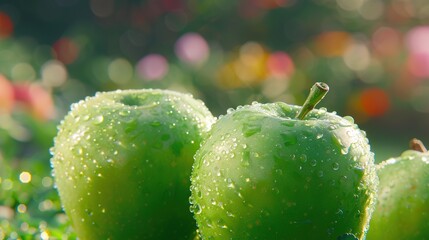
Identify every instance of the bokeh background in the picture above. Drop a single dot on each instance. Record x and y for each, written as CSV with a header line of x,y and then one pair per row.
x,y
374,54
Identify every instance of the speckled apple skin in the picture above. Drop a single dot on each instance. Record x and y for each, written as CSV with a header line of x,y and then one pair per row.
x,y
402,209
262,174
122,162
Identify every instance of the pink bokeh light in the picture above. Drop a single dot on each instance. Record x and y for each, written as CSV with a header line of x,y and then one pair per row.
x,y
418,64
192,48
417,42
152,67
386,41
280,65
417,39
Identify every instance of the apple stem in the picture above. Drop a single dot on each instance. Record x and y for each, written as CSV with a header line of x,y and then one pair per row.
x,y
417,145
317,93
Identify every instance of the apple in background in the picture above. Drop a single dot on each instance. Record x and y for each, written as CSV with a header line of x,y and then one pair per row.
x,y
122,162
402,209
278,171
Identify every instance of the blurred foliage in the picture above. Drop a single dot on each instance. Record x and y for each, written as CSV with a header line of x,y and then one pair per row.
x,y
373,54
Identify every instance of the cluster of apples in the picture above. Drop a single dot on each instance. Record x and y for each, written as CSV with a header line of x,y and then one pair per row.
x,y
156,164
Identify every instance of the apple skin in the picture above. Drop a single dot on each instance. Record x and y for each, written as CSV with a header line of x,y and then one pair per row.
x,y
122,162
262,174
402,208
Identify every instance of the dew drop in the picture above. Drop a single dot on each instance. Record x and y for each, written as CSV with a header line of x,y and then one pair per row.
x,y
124,112
275,190
246,158
344,150
230,214
332,127
79,151
250,129
99,119
230,184
221,223
319,135
288,139
77,119
196,209
335,166
303,158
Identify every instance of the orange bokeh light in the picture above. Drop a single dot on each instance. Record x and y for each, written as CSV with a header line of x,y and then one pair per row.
x,y
332,44
374,101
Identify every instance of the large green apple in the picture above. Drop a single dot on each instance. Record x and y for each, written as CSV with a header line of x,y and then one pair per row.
x,y
402,209
278,171
122,162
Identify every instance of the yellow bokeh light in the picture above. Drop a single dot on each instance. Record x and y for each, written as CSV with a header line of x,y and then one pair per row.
x,y
25,177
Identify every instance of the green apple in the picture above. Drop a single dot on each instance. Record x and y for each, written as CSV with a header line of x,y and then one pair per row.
x,y
402,209
279,171
122,162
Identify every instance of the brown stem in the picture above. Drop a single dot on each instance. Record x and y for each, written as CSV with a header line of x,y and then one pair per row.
x,y
417,145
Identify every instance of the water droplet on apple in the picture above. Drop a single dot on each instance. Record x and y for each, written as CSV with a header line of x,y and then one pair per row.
x,y
99,119
230,214
221,223
196,209
333,127
345,150
303,158
335,166
246,158
250,129
230,183
275,190
77,119
288,139
124,112
319,135
313,162
79,151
